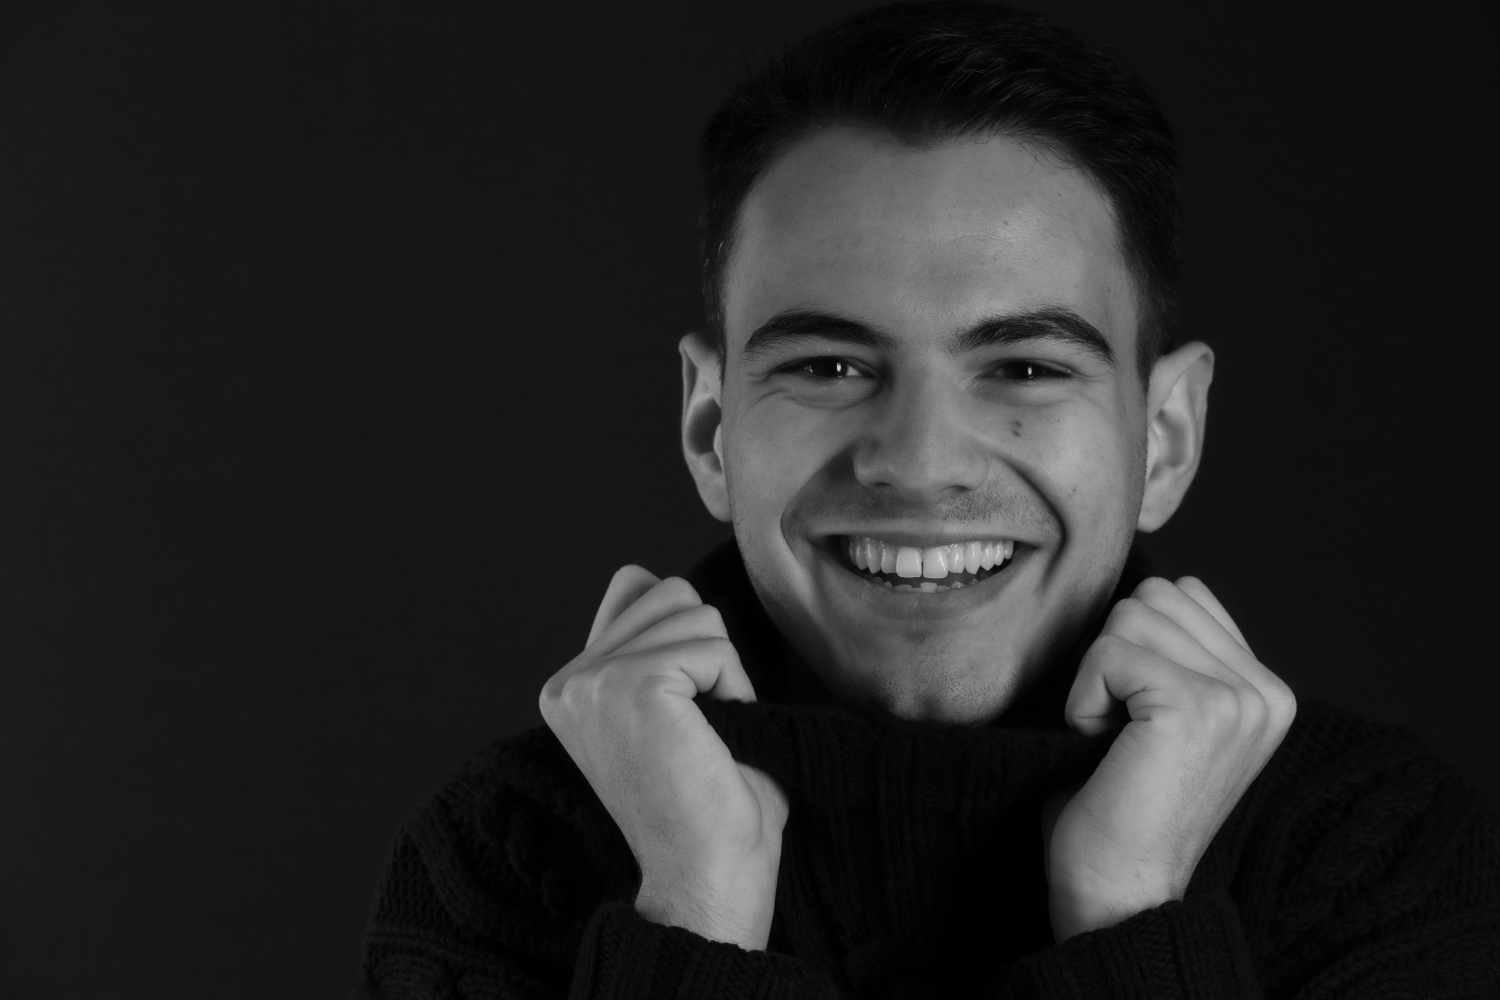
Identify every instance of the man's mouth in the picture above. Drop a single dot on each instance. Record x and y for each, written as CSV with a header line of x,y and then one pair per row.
x,y
926,570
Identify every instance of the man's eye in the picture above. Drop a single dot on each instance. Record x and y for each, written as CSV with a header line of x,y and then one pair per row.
x,y
832,368
1029,371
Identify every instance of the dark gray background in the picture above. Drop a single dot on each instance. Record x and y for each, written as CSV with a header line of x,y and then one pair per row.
x,y
337,375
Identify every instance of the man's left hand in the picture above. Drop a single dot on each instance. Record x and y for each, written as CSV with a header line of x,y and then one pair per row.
x,y
1204,717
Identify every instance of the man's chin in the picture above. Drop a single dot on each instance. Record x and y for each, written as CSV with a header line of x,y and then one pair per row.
x,y
963,656
915,674
955,657
927,695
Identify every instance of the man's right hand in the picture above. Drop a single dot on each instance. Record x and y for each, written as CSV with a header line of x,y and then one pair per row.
x,y
705,830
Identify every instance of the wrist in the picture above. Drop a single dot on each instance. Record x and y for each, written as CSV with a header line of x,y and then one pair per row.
x,y
1076,908
733,904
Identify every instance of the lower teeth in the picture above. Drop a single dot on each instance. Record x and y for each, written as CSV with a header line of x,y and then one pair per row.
x,y
931,586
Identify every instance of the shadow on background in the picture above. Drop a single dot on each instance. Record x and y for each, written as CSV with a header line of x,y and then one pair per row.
x,y
338,374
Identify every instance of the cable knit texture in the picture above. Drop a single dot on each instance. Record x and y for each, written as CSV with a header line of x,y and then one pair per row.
x,y
1357,866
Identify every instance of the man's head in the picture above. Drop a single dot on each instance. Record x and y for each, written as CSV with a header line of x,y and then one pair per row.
x,y
940,262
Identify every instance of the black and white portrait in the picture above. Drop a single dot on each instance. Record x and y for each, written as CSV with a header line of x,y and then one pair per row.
x,y
825,500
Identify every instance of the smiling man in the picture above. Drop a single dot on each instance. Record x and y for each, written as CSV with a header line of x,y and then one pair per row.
x,y
926,728
930,354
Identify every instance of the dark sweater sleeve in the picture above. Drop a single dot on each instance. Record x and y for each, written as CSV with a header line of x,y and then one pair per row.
x,y
1360,865
1193,948
513,882
626,957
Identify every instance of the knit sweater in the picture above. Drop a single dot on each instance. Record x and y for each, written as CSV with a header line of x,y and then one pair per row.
x,y
1357,865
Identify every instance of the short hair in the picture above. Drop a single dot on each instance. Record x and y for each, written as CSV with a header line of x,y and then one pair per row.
x,y
945,71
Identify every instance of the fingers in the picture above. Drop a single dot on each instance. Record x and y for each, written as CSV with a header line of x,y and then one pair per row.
x,y
667,625
1195,588
1168,622
1117,670
711,664
662,600
1194,618
627,586
700,621
1138,621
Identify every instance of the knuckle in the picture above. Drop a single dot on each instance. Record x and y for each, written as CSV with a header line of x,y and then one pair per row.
x,y
1222,705
630,574
712,621
677,588
648,691
1109,648
1112,644
1282,704
719,646
552,691
1254,711
700,618
581,690
560,701
704,648
1129,617
1154,586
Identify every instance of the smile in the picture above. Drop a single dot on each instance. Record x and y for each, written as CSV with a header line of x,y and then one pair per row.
x,y
925,570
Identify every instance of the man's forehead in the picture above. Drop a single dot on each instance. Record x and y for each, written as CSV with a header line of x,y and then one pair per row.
x,y
853,221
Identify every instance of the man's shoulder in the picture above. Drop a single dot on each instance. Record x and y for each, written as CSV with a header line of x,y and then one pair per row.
x,y
516,843
1358,849
521,797
528,767
1328,746
497,873
1342,788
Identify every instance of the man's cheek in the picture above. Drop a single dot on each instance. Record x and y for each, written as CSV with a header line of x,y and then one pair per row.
x,y
1089,456
787,444
771,457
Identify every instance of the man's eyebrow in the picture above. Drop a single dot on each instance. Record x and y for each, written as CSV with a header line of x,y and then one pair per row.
x,y
1041,324
806,324
1055,323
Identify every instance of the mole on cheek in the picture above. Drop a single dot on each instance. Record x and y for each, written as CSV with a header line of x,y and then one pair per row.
x,y
1015,429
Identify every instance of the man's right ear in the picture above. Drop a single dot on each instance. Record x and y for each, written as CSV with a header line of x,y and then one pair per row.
x,y
702,426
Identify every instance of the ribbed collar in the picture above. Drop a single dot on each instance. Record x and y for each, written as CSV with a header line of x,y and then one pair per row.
x,y
912,848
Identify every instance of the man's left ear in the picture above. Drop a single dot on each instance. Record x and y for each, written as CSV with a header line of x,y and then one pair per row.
x,y
1176,417
702,427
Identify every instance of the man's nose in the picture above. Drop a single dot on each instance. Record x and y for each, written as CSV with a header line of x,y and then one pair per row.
x,y
924,446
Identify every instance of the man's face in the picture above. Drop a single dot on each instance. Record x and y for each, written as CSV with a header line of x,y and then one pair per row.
x,y
928,349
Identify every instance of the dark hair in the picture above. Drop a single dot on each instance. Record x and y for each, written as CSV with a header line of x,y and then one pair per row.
x,y
929,73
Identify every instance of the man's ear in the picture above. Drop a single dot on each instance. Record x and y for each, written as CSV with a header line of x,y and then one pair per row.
x,y
702,429
1176,418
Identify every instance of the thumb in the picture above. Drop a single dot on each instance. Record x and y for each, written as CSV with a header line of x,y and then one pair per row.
x,y
628,585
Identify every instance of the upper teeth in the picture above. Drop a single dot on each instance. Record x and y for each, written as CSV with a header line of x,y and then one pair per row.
x,y
933,563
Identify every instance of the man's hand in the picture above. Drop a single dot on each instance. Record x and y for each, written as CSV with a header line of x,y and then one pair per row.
x,y
705,830
1205,716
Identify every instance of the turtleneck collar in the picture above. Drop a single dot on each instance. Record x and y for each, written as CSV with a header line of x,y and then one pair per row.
x,y
911,846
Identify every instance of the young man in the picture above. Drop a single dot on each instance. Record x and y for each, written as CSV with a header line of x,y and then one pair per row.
x,y
925,729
